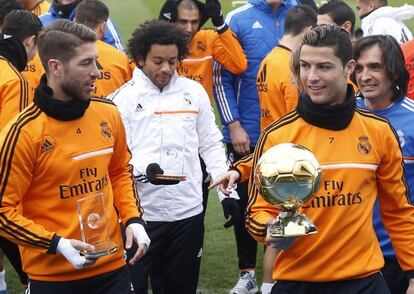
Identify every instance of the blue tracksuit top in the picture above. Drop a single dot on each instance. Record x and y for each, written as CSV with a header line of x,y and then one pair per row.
x,y
111,35
259,30
401,116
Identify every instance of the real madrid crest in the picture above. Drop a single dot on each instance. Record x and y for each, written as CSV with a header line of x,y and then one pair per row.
x,y
105,130
201,46
187,98
363,146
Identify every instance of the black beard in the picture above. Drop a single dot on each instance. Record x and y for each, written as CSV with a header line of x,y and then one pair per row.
x,y
70,90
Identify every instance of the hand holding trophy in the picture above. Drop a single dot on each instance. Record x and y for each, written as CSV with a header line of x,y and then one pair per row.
x,y
94,226
287,175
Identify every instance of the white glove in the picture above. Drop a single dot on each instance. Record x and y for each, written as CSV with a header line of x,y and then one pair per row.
x,y
140,235
71,253
233,194
136,233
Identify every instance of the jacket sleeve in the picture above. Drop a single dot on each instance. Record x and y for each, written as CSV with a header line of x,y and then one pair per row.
x,y
16,175
228,51
120,172
391,27
258,211
243,167
397,212
211,148
225,90
14,98
112,36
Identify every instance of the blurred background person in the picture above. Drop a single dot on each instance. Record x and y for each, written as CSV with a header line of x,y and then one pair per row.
x,y
114,66
377,18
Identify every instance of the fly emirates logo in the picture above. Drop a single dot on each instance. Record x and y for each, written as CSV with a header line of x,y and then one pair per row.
x,y
333,194
90,183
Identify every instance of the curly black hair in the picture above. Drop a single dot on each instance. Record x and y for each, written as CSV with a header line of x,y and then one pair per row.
x,y
156,32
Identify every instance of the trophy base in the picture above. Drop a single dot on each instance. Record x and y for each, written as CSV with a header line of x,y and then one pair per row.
x,y
295,225
100,251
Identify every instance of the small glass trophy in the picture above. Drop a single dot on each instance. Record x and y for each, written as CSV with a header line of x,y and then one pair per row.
x,y
94,226
172,152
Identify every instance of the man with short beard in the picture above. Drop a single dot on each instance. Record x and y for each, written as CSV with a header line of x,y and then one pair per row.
x,y
66,149
170,124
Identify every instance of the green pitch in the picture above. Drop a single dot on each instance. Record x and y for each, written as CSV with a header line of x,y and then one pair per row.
x,y
219,265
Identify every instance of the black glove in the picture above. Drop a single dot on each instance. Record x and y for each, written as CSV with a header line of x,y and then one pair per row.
x,y
152,170
231,208
213,10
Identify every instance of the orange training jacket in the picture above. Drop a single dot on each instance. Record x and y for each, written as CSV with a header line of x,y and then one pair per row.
x,y
48,165
207,46
277,94
41,8
360,162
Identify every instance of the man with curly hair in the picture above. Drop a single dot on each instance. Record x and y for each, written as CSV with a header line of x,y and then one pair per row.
x,y
169,122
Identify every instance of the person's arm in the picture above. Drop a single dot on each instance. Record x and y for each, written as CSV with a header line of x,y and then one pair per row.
x,y
112,35
228,51
15,96
390,27
259,211
397,212
211,148
120,172
17,168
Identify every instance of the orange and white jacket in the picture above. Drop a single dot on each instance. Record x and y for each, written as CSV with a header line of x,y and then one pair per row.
x,y
48,165
206,47
359,162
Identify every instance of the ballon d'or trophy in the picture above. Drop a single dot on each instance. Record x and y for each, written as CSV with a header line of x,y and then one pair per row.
x,y
94,226
287,175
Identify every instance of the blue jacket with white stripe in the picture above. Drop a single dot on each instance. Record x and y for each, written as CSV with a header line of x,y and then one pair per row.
x,y
401,115
111,35
259,30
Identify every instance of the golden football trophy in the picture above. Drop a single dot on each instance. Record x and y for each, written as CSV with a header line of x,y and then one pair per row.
x,y
287,175
94,226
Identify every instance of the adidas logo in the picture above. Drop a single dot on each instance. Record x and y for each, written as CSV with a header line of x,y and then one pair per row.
x,y
261,80
257,25
200,253
167,15
139,108
47,146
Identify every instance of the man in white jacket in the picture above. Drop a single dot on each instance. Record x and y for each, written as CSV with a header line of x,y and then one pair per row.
x,y
169,122
377,18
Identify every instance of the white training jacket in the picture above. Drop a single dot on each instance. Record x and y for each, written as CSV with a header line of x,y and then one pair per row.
x,y
170,127
388,20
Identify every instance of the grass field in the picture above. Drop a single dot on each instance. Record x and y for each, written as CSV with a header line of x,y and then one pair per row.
x,y
219,267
